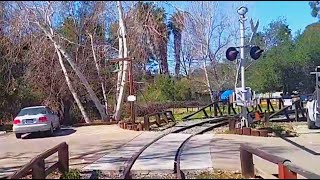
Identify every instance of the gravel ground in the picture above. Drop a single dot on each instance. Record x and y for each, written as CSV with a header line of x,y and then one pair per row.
x,y
195,174
186,123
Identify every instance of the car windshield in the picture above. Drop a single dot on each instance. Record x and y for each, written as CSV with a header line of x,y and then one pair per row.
x,y
32,111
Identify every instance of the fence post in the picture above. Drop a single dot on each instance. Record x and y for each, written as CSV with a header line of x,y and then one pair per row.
x,y
38,170
63,157
215,110
268,105
247,167
285,173
232,125
296,113
146,123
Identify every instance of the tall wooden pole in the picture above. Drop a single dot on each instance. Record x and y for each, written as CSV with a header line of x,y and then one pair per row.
x,y
131,91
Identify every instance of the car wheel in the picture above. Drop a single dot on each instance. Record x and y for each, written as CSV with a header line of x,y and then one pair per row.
x,y
50,132
18,135
311,124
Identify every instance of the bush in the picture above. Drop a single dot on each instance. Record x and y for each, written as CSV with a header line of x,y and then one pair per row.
x,y
166,89
72,174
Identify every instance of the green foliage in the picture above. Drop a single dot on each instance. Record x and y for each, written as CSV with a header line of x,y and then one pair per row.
x,y
72,174
277,128
166,88
287,63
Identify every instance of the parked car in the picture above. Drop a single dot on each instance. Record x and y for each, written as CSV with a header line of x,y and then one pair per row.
x,y
35,119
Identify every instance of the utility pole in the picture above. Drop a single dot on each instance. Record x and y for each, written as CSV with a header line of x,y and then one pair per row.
x,y
131,98
131,91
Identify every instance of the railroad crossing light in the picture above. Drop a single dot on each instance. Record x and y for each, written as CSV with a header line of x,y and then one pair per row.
x,y
232,53
255,52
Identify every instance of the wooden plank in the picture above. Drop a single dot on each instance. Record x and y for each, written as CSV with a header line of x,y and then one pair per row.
x,y
38,170
307,174
146,123
63,156
51,151
37,164
165,118
205,113
52,168
192,114
281,110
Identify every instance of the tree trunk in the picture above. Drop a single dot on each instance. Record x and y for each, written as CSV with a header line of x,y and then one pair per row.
x,y
164,69
120,66
123,35
66,111
99,75
208,82
78,72
177,50
72,90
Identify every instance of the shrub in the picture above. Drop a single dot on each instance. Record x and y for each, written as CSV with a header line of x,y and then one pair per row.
x,y
72,174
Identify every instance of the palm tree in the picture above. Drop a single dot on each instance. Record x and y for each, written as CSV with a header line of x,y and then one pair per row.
x,y
176,25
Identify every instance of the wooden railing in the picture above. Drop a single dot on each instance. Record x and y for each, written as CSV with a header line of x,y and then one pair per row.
x,y
37,165
167,116
286,169
216,107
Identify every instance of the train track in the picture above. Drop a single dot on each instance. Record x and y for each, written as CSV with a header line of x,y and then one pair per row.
x,y
210,125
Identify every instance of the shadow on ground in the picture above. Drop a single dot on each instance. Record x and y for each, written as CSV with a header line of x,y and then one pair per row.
x,y
61,132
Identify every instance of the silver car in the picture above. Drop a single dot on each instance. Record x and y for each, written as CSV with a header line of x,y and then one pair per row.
x,y
35,119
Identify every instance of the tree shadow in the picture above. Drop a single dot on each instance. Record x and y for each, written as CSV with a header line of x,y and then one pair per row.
x,y
61,132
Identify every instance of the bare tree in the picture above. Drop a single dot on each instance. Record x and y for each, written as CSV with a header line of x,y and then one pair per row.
x,y
40,14
209,29
72,90
99,74
123,53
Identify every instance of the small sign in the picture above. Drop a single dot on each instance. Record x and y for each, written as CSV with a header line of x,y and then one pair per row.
x,y
131,98
287,102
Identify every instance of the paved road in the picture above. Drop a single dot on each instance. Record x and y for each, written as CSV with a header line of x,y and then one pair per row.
x,y
86,144
110,143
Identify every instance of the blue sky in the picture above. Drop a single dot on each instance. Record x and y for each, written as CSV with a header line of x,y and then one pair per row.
x,y
297,13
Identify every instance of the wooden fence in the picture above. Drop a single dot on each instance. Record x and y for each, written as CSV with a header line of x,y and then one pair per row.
x,y
286,169
37,165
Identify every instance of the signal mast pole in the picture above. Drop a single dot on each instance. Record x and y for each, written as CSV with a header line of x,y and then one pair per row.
x,y
242,11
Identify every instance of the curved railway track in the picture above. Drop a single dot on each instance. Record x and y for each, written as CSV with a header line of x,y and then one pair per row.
x,y
216,122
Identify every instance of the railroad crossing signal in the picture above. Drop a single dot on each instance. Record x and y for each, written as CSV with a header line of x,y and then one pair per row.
x,y
232,53
255,52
